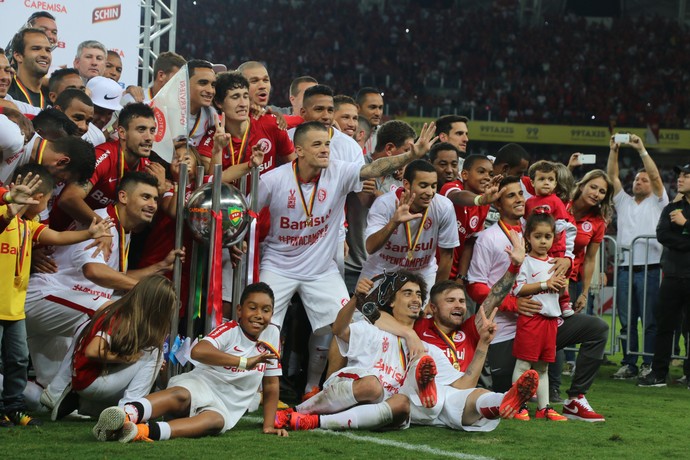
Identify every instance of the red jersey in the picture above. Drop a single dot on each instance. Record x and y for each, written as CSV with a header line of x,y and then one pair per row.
x,y
590,229
293,121
470,221
264,132
465,340
554,206
110,167
85,370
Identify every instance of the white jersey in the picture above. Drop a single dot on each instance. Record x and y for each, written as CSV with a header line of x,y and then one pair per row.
x,y
94,135
489,264
70,261
199,124
293,248
440,230
24,108
235,387
638,219
535,270
12,160
384,353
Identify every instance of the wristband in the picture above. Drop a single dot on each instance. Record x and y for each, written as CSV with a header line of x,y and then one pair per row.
x,y
644,153
243,363
544,286
514,268
477,199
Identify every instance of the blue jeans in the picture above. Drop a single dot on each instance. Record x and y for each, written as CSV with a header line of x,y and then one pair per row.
x,y
15,360
629,325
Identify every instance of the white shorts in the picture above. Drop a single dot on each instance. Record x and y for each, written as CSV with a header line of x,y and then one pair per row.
x,y
448,411
353,373
322,298
204,397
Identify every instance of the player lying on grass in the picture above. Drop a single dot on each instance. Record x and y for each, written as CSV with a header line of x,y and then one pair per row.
x,y
365,394
234,359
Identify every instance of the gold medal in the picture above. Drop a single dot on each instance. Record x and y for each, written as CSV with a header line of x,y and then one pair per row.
x,y
309,221
412,242
410,255
456,366
308,209
18,281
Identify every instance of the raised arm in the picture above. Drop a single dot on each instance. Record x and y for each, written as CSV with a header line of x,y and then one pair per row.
x,y
649,165
612,166
341,326
487,331
402,214
72,201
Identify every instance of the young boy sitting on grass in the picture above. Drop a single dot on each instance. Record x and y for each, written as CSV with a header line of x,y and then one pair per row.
x,y
18,232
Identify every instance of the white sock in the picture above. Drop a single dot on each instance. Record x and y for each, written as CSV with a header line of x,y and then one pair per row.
x,y
543,388
334,398
165,430
488,405
368,416
138,410
521,367
318,357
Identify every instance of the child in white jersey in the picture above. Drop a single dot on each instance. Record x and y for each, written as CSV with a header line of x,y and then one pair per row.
x,y
535,337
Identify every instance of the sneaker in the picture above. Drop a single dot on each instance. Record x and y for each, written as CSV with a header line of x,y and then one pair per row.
x,y
568,369
67,403
301,422
132,432
110,424
682,380
626,371
549,414
567,310
283,418
555,396
513,401
5,421
522,414
644,370
310,394
46,399
425,376
651,380
21,418
579,409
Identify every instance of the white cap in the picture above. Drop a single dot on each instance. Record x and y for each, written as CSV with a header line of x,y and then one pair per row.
x,y
105,93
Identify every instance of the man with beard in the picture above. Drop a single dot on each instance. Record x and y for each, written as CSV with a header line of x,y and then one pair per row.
x,y
33,55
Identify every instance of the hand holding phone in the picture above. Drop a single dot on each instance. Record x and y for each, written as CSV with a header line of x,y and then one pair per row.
x,y
621,138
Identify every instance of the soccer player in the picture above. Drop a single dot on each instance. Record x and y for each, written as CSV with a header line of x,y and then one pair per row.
x,y
63,79
78,107
345,115
202,89
32,52
407,227
445,158
164,68
90,59
234,359
488,265
453,129
370,104
306,200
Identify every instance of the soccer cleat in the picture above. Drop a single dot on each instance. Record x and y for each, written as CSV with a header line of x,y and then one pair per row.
x,y
522,414
21,418
514,399
67,403
425,376
283,418
132,432
626,371
302,422
110,424
651,380
549,414
579,409
5,421
311,393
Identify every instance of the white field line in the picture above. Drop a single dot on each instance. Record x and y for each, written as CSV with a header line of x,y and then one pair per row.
x,y
387,442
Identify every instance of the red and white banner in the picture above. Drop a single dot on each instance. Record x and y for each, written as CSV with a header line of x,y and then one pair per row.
x,y
170,107
115,23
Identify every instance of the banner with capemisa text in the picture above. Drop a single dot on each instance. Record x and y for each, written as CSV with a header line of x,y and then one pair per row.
x,y
115,23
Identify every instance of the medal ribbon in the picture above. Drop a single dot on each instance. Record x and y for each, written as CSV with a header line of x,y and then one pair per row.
x,y
23,236
42,144
243,147
123,246
196,124
504,228
408,232
25,92
307,210
447,340
121,165
403,355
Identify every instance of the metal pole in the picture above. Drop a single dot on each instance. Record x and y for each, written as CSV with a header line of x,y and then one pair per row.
x,y
238,273
146,57
193,267
177,266
215,207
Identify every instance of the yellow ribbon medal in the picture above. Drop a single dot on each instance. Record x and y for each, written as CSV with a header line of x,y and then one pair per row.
x,y
408,233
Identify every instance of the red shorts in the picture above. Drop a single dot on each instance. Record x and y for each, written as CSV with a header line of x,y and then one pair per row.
x,y
535,339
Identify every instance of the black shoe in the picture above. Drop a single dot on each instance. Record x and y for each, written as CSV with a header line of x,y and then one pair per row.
x,y
21,418
67,403
5,421
555,396
651,380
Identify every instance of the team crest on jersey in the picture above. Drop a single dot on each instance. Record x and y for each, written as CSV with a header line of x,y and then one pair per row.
x,y
384,344
473,222
235,215
586,227
321,195
459,337
428,223
265,145
291,199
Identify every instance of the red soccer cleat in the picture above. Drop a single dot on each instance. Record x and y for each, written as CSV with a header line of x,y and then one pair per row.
x,y
301,422
524,388
283,418
426,381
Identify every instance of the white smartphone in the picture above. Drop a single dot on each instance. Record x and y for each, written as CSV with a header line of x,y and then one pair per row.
x,y
589,159
621,138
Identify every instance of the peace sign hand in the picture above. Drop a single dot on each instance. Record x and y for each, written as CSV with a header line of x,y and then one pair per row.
x,y
221,139
488,328
402,212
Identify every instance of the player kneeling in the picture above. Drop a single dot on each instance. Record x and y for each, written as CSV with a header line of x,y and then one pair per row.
x,y
235,358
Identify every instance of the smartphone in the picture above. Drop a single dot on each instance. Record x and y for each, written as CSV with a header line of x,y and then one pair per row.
x,y
621,138
589,159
